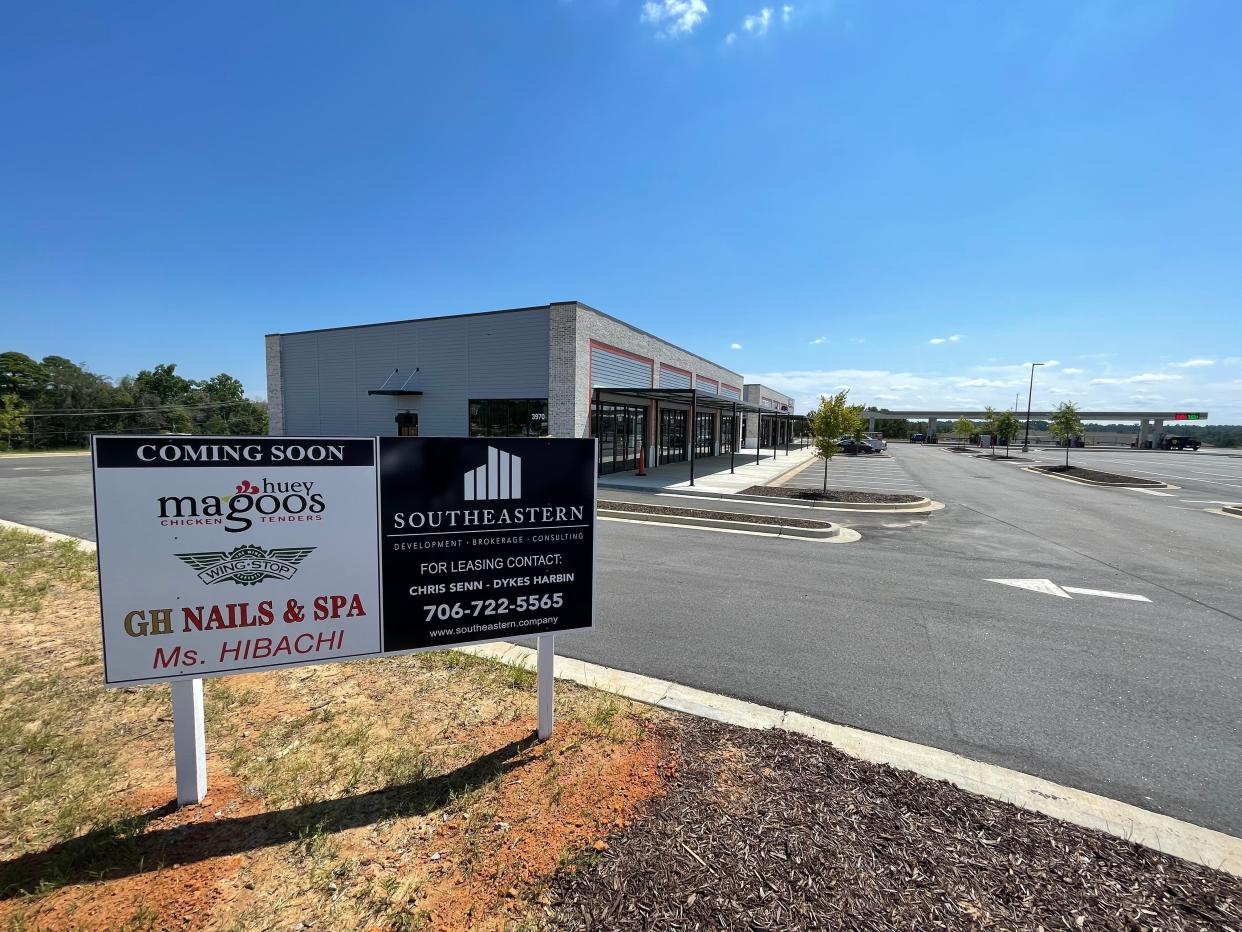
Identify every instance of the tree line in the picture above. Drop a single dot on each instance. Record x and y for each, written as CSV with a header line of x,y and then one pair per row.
x,y
54,402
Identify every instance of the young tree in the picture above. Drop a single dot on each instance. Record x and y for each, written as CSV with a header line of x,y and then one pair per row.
x,y
832,420
989,424
1006,427
1065,425
13,413
963,425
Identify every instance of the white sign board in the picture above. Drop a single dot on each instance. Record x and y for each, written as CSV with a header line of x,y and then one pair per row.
x,y
224,554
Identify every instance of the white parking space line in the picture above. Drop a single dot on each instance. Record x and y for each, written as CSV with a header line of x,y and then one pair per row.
x,y
1181,467
1150,492
1105,593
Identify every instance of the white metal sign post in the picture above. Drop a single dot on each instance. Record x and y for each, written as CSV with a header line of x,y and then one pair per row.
x,y
221,555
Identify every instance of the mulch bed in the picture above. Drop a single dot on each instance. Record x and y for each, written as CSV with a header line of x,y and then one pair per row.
x,y
1002,458
771,830
832,495
714,515
1093,475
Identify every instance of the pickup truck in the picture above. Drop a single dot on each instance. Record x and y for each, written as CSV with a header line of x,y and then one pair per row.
x,y
1179,443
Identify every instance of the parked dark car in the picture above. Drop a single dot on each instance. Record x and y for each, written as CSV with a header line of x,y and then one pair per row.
x,y
1179,443
853,447
918,438
877,446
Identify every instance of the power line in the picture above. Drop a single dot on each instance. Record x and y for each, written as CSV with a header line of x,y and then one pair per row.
x,y
76,412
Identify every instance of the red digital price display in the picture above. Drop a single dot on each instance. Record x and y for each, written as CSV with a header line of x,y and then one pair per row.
x,y
1186,416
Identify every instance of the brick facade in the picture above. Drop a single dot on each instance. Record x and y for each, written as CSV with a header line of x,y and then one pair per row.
x,y
275,387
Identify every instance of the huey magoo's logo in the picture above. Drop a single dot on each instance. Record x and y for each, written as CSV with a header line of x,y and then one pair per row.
x,y
499,478
272,502
246,565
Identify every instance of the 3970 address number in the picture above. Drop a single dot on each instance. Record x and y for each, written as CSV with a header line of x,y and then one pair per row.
x,y
522,603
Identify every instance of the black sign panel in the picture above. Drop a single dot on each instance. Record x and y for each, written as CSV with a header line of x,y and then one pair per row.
x,y
231,452
485,538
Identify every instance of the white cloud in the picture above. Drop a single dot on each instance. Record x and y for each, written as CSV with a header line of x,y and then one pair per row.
x,y
758,23
735,346
819,341
1193,363
1073,371
988,383
938,340
1141,378
674,17
786,13
730,38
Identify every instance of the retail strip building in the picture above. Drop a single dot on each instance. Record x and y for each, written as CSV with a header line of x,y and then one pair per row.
x,y
562,370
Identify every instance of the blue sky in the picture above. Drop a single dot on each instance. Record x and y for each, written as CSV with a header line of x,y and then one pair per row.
x,y
812,195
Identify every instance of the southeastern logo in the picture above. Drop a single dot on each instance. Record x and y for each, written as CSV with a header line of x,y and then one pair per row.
x,y
246,565
272,502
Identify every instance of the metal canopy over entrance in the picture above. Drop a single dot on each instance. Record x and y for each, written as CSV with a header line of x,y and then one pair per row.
x,y
686,437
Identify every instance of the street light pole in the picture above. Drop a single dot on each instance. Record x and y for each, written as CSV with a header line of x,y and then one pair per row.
x,y
1026,440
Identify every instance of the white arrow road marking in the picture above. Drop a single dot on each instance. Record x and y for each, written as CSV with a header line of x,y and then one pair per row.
x,y
1046,586
1150,491
1104,593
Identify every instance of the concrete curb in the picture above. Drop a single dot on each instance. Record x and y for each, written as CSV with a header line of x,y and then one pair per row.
x,y
87,545
32,453
1231,511
1099,485
1161,833
755,527
923,504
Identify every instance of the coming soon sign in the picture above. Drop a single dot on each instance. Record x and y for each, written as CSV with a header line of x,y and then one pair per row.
x,y
222,555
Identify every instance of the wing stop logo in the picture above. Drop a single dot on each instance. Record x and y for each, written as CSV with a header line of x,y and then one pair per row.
x,y
246,565
270,502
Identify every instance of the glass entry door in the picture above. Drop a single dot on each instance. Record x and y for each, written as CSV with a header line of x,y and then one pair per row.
x,y
672,436
727,424
622,431
704,434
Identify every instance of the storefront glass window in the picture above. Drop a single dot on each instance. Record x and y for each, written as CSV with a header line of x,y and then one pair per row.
x,y
509,417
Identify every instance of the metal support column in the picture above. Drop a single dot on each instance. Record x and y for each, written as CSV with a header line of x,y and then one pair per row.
x,y
692,433
544,687
733,438
758,436
593,427
788,430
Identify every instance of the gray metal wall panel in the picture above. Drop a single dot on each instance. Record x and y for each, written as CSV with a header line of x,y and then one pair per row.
x,y
489,356
730,392
509,356
711,387
671,379
300,368
612,370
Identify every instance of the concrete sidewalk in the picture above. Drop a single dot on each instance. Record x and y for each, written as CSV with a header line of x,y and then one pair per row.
x,y
711,474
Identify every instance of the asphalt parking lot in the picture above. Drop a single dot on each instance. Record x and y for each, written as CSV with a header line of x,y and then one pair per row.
x,y
1129,687
871,472
1198,473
